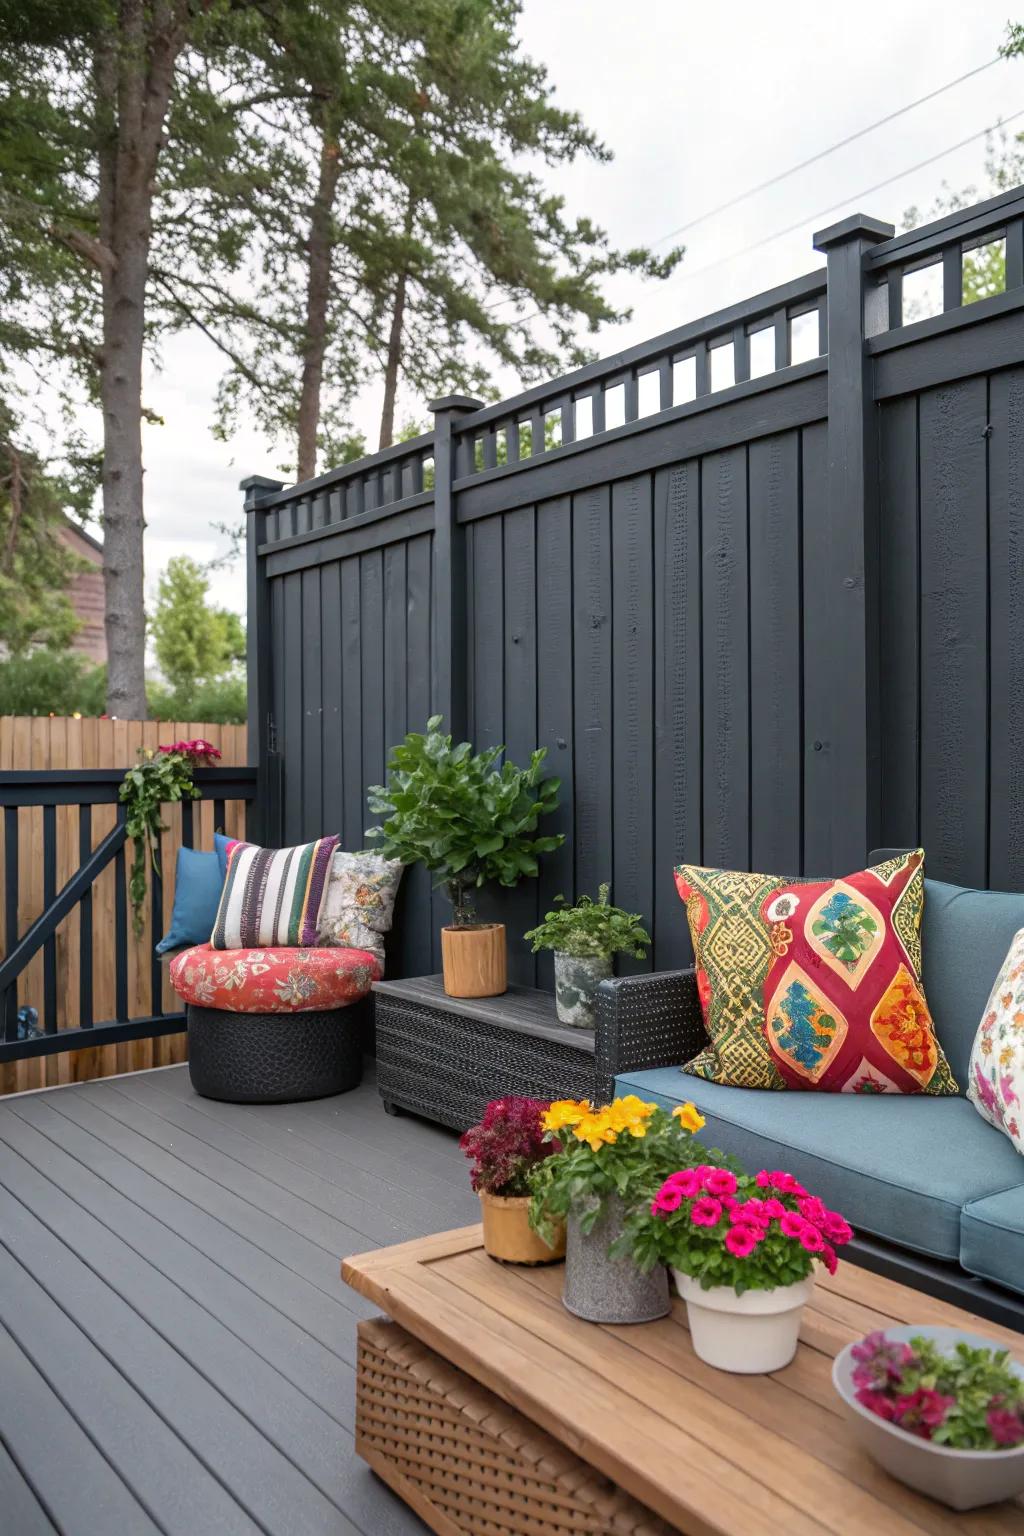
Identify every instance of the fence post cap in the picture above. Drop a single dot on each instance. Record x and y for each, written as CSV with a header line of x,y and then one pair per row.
x,y
856,226
256,487
455,403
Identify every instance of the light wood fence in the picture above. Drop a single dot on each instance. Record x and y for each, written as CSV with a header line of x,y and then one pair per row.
x,y
34,743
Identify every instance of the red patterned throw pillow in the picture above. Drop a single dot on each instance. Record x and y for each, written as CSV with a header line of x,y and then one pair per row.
x,y
814,984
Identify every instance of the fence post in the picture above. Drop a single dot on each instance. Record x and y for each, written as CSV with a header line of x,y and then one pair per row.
x,y
448,660
257,649
851,736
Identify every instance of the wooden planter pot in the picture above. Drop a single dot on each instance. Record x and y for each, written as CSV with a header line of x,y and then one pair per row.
x,y
474,958
508,1235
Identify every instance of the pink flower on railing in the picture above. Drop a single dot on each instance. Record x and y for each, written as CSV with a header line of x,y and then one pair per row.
x,y
199,750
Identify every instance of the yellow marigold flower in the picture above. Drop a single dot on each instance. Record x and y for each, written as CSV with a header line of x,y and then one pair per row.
x,y
565,1112
596,1130
689,1117
638,1128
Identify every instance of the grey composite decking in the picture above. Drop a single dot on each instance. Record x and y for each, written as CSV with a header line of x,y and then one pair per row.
x,y
176,1346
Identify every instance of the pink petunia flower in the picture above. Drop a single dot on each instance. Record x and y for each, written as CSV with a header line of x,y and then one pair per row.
x,y
876,1402
812,1209
720,1182
811,1239
741,1241
791,1224
706,1212
1006,1425
836,1229
687,1181
750,1211
668,1200
922,1411
830,1259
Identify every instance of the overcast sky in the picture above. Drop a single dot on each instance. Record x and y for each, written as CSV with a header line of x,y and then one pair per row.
x,y
699,103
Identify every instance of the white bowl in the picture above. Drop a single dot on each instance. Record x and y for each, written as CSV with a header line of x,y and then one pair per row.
x,y
961,1479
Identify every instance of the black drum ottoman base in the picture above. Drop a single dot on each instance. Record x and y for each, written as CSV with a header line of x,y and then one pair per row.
x,y
274,1058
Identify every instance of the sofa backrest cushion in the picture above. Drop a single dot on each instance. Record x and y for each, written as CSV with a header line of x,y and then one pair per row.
x,y
964,936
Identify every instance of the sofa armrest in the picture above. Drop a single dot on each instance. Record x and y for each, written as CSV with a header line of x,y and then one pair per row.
x,y
646,1021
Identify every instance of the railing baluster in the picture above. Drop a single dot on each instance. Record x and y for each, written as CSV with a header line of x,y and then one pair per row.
x,y
1015,254
490,448
952,277
156,931
537,444
597,408
703,360
512,440
10,998
783,352
894,278
218,815
665,384
49,896
120,931
85,1013
187,827
740,354
568,419
631,395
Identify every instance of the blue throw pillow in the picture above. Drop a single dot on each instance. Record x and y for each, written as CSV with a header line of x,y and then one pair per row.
x,y
220,843
198,882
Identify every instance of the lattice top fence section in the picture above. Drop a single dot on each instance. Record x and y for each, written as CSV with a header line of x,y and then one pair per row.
x,y
915,281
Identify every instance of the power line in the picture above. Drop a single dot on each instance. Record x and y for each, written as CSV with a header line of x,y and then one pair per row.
x,y
823,154
852,198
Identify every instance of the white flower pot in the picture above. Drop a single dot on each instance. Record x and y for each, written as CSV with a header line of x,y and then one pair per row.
x,y
753,1333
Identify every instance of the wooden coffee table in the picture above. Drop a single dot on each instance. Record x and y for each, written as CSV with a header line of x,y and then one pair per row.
x,y
490,1408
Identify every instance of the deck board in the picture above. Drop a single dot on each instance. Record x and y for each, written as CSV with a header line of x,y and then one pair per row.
x,y
177,1350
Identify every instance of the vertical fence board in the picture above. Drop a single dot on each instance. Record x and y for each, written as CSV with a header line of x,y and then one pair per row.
x,y
726,661
520,733
776,705
819,680
900,625
954,632
1006,567
592,655
352,706
632,830
555,726
678,788
311,814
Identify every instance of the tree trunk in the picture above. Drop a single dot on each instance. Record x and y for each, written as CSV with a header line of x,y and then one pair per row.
x,y
134,76
393,366
318,288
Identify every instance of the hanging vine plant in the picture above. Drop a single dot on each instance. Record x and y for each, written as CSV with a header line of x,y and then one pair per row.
x,y
159,778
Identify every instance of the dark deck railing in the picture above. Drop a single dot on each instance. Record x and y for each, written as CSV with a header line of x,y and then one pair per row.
x,y
86,789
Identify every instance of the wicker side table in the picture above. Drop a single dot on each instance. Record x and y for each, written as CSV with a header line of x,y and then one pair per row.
x,y
466,1462
446,1057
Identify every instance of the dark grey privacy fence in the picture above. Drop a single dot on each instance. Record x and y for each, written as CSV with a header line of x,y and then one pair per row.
x,y
763,602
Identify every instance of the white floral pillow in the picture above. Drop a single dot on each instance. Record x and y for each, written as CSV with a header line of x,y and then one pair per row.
x,y
997,1059
360,901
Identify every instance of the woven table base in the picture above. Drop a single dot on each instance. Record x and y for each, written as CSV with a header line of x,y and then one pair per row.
x,y
467,1463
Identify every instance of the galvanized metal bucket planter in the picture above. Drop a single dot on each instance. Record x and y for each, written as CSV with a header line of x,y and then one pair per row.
x,y
577,979
601,1289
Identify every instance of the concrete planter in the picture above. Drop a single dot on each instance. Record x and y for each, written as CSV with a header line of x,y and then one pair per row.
x,y
750,1334
604,1290
577,979
960,1479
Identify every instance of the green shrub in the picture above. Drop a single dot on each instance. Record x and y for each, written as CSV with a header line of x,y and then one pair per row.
x,y
44,682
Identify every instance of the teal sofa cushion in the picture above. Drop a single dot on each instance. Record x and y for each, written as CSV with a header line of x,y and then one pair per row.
x,y
965,935
992,1237
897,1167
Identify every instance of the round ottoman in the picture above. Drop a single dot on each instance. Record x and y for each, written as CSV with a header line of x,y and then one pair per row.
x,y
272,1026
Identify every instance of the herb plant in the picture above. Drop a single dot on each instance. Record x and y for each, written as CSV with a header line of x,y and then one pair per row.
x,y
591,929
507,1143
723,1228
469,821
624,1148
970,1399
158,778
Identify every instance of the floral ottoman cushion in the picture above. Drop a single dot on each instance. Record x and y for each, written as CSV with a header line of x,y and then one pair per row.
x,y
814,984
273,980
997,1061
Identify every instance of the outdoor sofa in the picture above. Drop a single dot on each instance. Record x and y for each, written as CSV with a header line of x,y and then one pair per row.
x,y
935,1193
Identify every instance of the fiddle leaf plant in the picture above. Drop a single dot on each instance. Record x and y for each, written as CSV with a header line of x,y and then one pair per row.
x,y
468,820
590,929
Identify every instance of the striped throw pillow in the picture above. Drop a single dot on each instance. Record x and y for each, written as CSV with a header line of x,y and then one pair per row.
x,y
273,896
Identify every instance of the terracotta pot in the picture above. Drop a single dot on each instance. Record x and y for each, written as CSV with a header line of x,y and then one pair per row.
x,y
508,1235
474,958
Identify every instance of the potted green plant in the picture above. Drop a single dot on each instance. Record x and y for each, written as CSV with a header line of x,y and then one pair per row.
x,y
586,937
506,1144
742,1251
470,822
609,1160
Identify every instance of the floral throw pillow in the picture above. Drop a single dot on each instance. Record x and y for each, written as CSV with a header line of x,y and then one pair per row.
x,y
360,901
814,984
997,1060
